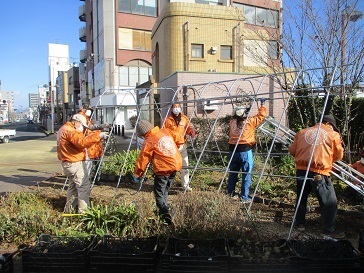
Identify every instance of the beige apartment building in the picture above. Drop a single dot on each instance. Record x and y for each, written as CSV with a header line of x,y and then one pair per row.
x,y
197,44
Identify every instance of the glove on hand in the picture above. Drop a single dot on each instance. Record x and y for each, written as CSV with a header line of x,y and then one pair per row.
x,y
136,179
262,101
104,135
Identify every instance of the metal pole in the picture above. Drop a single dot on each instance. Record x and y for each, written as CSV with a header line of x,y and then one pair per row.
x,y
52,107
343,52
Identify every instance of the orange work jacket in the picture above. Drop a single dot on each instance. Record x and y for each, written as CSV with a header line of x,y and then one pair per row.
x,y
95,150
358,166
183,128
160,148
248,135
328,149
71,144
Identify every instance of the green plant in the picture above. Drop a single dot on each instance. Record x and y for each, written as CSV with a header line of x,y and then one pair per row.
x,y
120,163
24,215
284,165
114,220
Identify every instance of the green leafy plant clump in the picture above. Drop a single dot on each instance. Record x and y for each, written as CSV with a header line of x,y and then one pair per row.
x,y
120,163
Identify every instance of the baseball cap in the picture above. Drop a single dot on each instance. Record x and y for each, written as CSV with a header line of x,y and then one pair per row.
x,y
331,120
80,118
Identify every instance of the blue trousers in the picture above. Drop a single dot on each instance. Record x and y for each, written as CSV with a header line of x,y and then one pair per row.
x,y
241,161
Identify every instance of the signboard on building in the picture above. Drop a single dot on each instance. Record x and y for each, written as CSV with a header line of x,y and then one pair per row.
x,y
99,74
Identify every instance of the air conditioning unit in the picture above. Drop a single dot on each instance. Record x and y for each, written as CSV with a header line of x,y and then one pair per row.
x,y
210,105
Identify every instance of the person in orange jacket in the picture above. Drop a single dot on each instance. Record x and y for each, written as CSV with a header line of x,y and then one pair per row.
x,y
160,148
93,152
359,165
327,149
243,156
179,123
71,150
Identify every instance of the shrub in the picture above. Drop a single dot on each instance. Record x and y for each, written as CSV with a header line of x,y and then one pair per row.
x,y
24,215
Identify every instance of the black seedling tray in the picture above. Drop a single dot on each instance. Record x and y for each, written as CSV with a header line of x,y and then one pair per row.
x,y
113,254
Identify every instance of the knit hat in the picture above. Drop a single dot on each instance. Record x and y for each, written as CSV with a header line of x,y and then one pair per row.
x,y
80,118
143,127
331,120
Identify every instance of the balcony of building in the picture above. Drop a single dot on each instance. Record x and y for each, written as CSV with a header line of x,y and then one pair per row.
x,y
83,56
82,34
82,13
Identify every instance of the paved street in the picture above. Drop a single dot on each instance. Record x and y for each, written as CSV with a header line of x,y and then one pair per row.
x,y
25,163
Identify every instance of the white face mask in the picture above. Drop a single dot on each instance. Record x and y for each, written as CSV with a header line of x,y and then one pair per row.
x,y
362,160
176,111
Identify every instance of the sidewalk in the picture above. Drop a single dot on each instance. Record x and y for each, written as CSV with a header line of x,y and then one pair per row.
x,y
26,163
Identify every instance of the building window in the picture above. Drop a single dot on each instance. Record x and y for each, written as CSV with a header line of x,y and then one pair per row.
x,y
209,2
135,39
226,52
273,50
142,7
259,16
197,51
134,73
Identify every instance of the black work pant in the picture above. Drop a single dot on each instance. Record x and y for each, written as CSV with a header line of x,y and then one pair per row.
x,y
325,193
162,184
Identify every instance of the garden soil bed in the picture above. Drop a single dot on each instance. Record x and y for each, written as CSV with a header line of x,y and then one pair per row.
x,y
274,218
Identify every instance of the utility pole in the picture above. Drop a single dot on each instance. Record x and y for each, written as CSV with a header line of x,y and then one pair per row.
x,y
52,105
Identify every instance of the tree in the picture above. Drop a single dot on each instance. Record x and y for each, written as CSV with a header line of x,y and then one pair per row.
x,y
325,37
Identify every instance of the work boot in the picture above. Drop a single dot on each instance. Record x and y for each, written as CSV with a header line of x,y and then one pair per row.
x,y
337,235
188,189
167,218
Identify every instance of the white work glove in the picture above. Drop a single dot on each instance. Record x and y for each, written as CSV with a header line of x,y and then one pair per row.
x,y
104,135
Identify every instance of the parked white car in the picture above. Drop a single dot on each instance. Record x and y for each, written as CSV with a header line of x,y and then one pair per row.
x,y
5,134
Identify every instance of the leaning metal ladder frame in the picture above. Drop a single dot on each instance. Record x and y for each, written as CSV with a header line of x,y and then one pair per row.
x,y
345,173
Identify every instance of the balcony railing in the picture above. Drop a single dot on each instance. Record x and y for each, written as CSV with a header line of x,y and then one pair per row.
x,y
83,56
83,34
82,13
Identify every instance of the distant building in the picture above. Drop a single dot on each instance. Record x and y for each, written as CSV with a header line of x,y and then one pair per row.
x,y
33,100
6,105
59,62
117,55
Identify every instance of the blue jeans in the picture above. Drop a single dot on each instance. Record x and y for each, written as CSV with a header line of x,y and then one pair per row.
x,y
243,161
